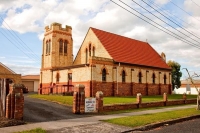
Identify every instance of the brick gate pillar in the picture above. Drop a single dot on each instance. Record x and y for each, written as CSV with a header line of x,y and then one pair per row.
x,y
15,103
79,99
99,101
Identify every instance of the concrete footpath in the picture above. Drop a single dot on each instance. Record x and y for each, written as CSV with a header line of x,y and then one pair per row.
x,y
87,122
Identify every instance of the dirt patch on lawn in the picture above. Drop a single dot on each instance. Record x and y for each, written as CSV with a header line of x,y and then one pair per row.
x,y
4,122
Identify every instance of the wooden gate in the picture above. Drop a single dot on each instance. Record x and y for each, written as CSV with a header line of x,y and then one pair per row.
x,y
2,97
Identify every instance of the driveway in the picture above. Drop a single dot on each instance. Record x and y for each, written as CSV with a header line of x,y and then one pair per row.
x,y
36,110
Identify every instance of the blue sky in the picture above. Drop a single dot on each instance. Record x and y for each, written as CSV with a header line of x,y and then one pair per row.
x,y
26,20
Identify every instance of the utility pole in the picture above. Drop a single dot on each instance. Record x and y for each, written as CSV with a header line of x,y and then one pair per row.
x,y
198,91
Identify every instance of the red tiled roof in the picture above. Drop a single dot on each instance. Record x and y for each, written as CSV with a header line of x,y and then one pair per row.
x,y
127,50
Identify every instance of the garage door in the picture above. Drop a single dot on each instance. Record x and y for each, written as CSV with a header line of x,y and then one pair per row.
x,y
29,84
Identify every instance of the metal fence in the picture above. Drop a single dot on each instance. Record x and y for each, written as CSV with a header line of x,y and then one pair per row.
x,y
56,89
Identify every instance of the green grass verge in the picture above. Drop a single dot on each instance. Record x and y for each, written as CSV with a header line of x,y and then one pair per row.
x,y
141,120
140,109
67,100
37,130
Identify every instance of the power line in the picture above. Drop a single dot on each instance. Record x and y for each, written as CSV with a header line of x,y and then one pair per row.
x,y
15,45
19,40
166,22
173,18
173,34
17,37
195,3
183,10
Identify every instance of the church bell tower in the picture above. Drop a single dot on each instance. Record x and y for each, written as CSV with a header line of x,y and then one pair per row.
x,y
57,47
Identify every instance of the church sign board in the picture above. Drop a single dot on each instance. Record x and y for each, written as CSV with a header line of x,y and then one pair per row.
x,y
90,105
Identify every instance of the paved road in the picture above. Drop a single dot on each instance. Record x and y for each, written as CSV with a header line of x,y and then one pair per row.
x,y
36,110
94,124
191,126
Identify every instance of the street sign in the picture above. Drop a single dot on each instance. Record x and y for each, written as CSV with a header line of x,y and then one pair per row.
x,y
90,105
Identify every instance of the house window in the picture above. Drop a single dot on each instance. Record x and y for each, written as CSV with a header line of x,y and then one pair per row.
x,y
104,74
165,79
140,77
61,46
65,47
153,78
123,76
86,56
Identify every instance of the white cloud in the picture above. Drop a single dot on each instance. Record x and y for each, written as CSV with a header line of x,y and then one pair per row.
x,y
106,16
193,7
162,2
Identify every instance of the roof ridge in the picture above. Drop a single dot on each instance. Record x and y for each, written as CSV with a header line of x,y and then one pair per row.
x,y
7,68
120,35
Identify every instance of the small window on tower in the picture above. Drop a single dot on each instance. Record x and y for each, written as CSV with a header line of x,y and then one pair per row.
x,y
47,47
49,50
61,46
65,47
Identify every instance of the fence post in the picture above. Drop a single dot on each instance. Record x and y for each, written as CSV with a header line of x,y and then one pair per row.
x,y
139,99
165,99
99,101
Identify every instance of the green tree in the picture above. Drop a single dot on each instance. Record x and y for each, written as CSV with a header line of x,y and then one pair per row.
x,y
176,74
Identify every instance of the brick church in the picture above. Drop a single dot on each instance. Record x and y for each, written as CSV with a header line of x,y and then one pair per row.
x,y
107,62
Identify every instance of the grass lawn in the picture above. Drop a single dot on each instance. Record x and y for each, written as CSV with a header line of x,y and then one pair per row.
x,y
141,120
68,100
37,130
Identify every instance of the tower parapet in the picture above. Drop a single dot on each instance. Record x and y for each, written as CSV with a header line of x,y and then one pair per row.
x,y
58,27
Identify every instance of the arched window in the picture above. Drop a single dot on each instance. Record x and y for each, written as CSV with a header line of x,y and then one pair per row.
x,y
104,74
153,78
65,47
165,79
93,51
61,46
47,47
86,56
123,76
57,77
90,50
140,77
